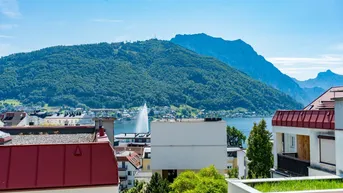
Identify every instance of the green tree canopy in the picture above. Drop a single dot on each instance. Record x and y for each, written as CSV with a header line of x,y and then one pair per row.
x,y
233,173
259,151
112,75
235,138
157,184
208,180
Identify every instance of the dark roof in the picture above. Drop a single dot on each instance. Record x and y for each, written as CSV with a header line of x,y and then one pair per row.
x,y
13,118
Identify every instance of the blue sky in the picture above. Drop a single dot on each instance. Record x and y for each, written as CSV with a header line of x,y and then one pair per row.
x,y
301,38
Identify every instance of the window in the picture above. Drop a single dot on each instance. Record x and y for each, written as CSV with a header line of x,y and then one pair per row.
x,y
327,150
122,164
148,167
129,173
292,141
232,154
129,182
229,167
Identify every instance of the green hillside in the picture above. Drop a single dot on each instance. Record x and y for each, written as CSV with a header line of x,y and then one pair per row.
x,y
111,75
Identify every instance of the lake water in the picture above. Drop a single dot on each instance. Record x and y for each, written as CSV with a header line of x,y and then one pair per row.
x,y
243,124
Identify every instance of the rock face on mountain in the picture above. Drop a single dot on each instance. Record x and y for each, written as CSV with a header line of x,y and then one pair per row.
x,y
112,75
243,57
324,80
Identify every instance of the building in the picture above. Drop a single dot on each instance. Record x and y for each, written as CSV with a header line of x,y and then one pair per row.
x,y
236,158
133,139
58,159
129,164
146,160
306,142
187,144
68,118
14,119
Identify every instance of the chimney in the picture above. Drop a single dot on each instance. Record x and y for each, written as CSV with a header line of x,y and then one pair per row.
x,y
108,125
101,131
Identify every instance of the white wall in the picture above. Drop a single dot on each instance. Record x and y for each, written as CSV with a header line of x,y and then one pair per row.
x,y
314,143
188,145
315,172
240,162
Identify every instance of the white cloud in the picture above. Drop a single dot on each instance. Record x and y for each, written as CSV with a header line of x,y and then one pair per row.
x,y
304,68
5,36
10,8
107,20
7,26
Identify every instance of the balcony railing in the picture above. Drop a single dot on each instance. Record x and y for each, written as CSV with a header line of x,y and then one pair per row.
x,y
321,119
122,168
293,165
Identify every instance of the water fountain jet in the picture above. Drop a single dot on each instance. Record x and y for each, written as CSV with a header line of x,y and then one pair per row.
x,y
142,125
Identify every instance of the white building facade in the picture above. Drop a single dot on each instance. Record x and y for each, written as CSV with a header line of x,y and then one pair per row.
x,y
307,142
177,146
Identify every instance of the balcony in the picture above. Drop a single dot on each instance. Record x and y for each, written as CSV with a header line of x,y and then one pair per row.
x,y
289,163
122,168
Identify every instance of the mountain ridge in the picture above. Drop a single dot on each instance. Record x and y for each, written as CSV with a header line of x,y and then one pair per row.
x,y
111,75
243,57
324,80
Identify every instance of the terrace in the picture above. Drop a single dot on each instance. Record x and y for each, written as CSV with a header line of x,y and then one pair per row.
x,y
302,143
328,184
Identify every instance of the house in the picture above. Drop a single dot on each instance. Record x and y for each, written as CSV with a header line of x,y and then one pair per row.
x,y
306,142
14,118
133,139
129,164
58,159
146,160
236,158
68,118
187,144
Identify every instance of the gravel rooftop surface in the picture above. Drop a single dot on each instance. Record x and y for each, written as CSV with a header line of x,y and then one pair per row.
x,y
50,139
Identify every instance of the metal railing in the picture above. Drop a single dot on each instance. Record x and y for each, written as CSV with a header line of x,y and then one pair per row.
x,y
293,165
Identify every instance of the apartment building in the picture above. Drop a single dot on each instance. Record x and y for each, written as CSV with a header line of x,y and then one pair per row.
x,y
129,164
188,144
306,142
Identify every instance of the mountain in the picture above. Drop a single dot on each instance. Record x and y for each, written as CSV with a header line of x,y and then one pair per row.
x,y
111,75
324,80
243,57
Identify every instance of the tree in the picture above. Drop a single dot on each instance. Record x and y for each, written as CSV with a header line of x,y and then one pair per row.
x,y
233,173
140,187
157,184
259,151
151,113
208,180
235,138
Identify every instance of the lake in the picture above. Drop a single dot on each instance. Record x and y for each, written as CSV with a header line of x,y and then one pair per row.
x,y
243,124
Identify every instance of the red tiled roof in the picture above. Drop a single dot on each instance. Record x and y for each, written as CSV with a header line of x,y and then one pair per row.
x,y
320,119
132,157
57,166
